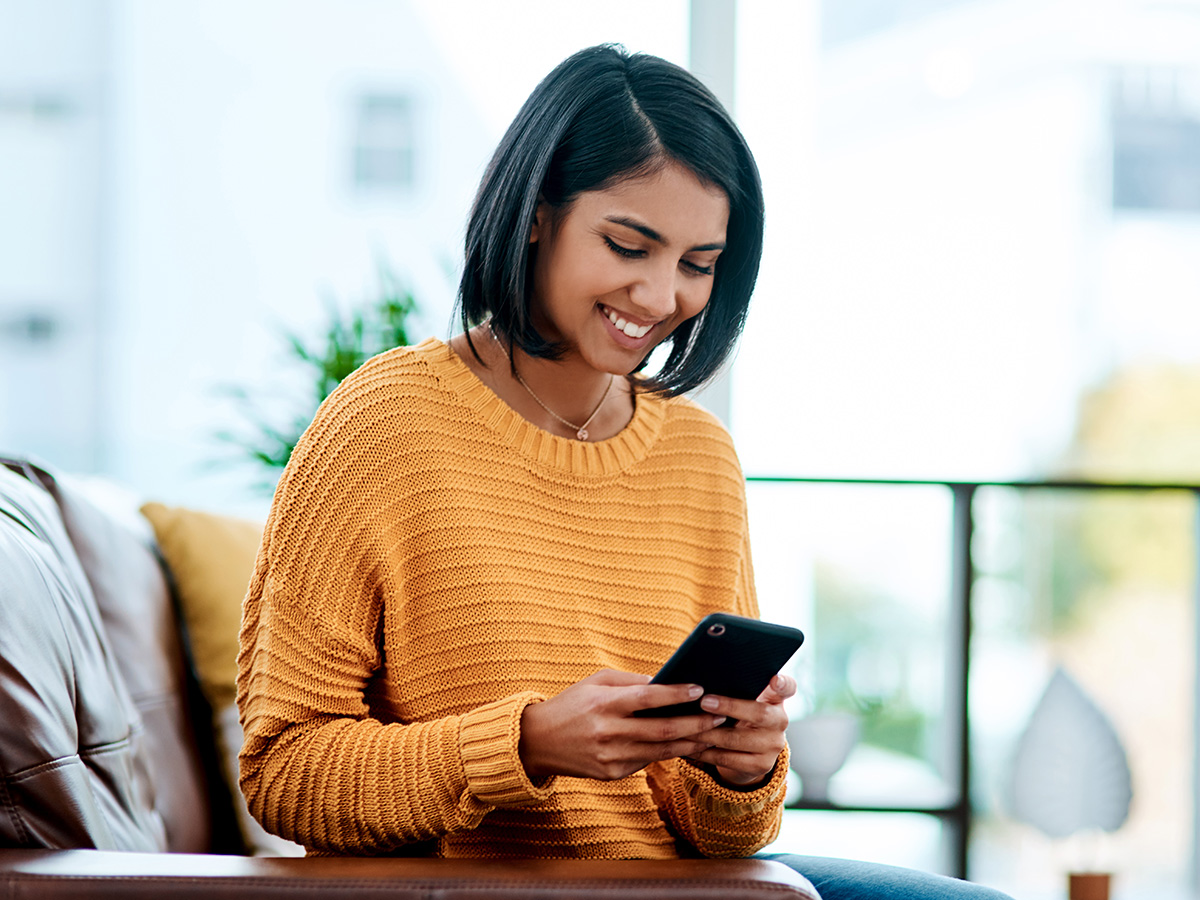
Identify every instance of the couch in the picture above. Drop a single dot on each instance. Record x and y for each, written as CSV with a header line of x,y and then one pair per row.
x,y
116,736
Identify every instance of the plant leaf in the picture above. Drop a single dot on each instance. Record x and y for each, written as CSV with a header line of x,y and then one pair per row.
x,y
349,340
1070,772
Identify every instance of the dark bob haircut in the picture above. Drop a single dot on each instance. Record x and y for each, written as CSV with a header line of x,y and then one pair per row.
x,y
600,117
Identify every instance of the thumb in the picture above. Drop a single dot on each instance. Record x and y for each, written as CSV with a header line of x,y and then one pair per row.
x,y
780,688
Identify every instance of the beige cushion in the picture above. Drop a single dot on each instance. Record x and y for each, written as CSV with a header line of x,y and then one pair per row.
x,y
212,558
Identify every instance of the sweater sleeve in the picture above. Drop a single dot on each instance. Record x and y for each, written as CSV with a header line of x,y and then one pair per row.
x,y
720,821
316,767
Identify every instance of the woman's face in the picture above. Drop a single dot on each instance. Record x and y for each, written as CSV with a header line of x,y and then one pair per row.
x,y
622,267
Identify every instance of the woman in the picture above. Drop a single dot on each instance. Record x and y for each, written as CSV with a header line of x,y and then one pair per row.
x,y
480,550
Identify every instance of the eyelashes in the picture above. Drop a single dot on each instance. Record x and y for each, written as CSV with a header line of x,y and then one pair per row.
x,y
631,253
626,252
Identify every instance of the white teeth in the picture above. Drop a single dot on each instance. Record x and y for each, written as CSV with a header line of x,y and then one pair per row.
x,y
630,329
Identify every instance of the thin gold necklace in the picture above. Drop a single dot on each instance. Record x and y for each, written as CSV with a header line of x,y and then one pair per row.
x,y
581,431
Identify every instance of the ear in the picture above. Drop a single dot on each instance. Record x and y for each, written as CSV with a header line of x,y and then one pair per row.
x,y
541,221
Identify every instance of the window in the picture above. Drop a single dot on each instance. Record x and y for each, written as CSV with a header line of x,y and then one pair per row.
x,y
843,21
385,146
1156,140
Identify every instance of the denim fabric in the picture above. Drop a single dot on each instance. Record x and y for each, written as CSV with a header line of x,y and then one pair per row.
x,y
848,879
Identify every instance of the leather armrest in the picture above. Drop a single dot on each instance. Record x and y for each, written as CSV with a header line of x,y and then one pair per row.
x,y
27,874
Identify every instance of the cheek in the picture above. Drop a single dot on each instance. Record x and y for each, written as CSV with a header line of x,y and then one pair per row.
x,y
694,298
584,279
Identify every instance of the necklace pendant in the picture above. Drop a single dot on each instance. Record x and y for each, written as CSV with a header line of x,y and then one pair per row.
x,y
582,434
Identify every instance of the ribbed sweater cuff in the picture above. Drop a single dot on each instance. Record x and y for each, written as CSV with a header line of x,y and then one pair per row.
x,y
715,798
489,741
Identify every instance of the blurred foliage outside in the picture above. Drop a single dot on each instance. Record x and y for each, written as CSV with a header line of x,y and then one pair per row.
x,y
269,435
1142,424
857,622
1102,583
1049,562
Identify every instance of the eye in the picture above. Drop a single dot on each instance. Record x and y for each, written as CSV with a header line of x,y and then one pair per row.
x,y
696,269
627,252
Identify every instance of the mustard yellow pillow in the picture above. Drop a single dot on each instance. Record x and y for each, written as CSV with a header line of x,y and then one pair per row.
x,y
211,558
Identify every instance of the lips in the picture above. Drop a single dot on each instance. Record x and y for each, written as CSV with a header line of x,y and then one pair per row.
x,y
629,329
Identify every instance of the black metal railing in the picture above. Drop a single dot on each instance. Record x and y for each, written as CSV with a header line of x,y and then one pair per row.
x,y
958,814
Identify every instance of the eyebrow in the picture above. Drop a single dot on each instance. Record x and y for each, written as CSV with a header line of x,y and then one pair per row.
x,y
654,235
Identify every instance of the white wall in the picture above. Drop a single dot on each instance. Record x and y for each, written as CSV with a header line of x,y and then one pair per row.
x,y
52,60
236,213
939,281
198,199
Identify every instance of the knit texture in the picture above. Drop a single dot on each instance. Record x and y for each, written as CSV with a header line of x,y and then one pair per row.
x,y
431,565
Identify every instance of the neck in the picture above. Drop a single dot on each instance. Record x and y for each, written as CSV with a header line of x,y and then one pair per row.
x,y
571,391
560,396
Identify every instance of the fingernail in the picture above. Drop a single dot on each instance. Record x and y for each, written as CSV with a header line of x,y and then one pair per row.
x,y
695,691
717,721
709,703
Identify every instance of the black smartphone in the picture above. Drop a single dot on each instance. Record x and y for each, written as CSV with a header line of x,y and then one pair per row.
x,y
729,655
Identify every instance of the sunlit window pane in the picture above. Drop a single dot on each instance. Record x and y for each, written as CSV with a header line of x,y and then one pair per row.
x,y
897,839
864,572
1101,586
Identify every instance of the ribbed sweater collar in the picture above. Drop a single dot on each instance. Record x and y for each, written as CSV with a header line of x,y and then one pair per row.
x,y
579,458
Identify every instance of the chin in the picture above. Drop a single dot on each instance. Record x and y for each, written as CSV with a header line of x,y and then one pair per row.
x,y
625,364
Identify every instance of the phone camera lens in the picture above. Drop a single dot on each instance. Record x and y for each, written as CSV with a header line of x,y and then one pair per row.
x,y
716,630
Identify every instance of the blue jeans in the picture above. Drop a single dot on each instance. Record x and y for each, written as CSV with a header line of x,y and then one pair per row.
x,y
847,879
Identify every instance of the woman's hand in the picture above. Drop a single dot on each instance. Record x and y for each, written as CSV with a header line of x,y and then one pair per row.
x,y
746,754
589,730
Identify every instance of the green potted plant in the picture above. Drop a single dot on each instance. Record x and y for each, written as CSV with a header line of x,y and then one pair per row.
x,y
270,431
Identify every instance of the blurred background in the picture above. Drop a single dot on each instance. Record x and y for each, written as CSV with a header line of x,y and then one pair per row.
x,y
981,279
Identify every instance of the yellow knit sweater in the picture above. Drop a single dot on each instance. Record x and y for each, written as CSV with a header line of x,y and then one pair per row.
x,y
432,564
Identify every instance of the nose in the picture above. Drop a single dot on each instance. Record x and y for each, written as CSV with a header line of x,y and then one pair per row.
x,y
655,292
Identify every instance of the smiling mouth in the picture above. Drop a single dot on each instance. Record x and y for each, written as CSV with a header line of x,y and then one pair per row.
x,y
630,329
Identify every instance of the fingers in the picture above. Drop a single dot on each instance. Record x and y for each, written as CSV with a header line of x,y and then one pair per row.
x,y
672,728
742,740
616,678
749,713
674,749
743,755
781,688
614,696
652,696
739,768
588,731
642,694
747,754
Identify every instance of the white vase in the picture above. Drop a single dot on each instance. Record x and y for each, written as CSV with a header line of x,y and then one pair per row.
x,y
819,745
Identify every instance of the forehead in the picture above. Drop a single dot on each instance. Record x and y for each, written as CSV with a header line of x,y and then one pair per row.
x,y
672,201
